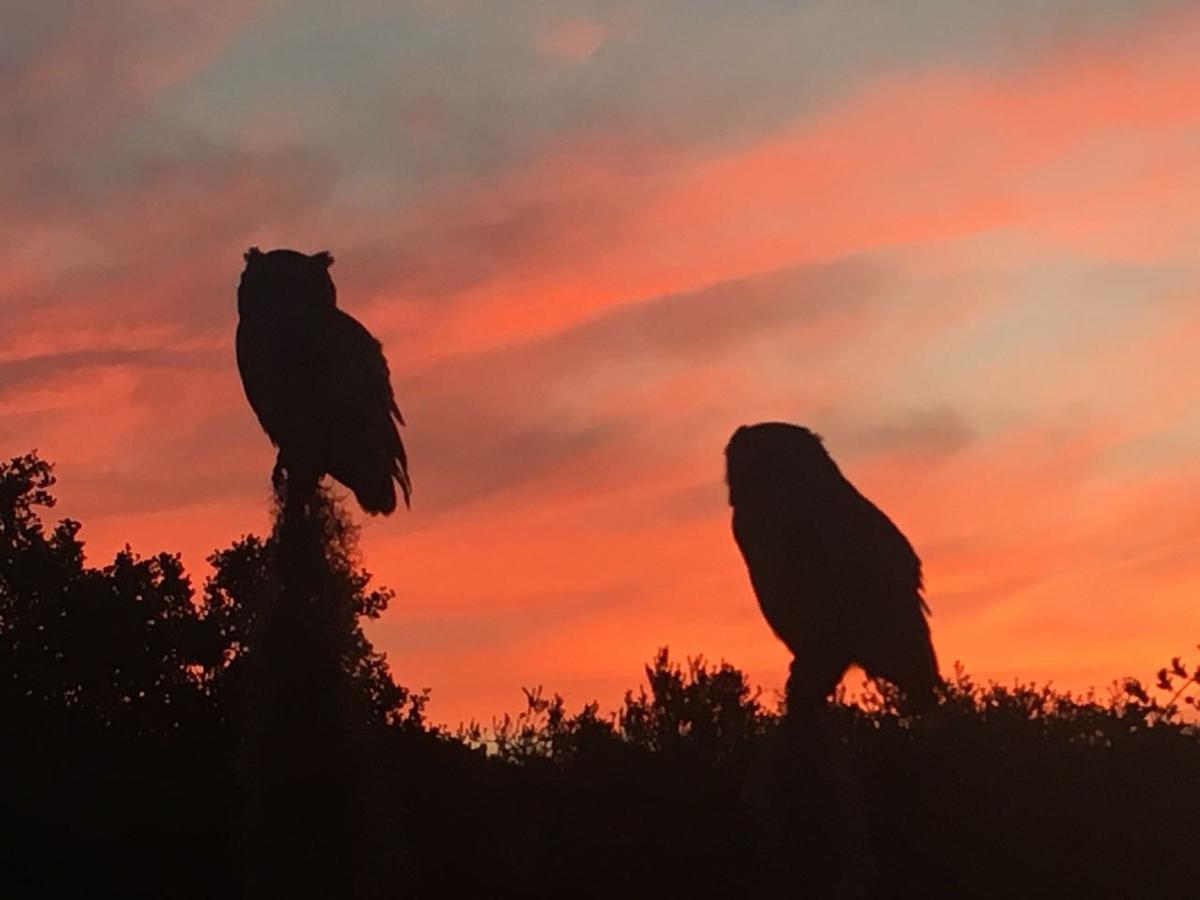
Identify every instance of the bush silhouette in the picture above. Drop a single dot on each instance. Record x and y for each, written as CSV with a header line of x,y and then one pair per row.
x,y
124,699
123,694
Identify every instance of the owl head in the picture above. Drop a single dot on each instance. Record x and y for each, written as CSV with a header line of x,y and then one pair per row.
x,y
286,283
776,461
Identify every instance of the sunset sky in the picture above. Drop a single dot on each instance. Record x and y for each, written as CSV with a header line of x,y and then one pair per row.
x,y
959,240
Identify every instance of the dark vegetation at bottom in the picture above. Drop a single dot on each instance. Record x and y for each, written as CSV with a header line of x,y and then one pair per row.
x,y
130,705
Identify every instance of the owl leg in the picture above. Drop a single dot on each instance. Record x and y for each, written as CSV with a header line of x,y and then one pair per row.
x,y
810,807
295,482
812,677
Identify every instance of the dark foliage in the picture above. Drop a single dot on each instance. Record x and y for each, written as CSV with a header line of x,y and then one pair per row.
x,y
125,698
124,702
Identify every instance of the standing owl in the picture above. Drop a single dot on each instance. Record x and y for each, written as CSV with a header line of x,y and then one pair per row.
x,y
318,381
836,580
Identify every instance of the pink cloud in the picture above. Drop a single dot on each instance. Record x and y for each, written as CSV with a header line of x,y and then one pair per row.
x,y
573,41
601,219
574,339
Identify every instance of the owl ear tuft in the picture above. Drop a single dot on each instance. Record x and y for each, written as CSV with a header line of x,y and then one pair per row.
x,y
325,258
252,254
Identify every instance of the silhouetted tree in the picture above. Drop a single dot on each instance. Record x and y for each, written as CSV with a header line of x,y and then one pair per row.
x,y
245,586
319,819
713,712
124,698
106,717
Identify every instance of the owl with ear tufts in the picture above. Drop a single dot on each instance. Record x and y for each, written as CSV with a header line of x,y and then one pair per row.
x,y
837,581
318,382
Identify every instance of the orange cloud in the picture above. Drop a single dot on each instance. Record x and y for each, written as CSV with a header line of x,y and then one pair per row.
x,y
603,218
575,337
573,41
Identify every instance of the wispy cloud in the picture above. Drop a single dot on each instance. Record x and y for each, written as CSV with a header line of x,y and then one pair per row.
x,y
957,239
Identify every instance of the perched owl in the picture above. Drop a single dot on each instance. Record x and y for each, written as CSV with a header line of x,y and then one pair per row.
x,y
318,381
836,580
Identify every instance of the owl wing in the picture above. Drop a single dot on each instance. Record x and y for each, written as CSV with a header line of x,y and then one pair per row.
x,y
897,558
869,552
367,454
893,639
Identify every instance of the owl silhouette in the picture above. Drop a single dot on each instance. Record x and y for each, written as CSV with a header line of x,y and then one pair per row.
x,y
318,382
836,580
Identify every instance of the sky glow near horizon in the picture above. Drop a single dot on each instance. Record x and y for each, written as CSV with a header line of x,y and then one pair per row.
x,y
958,240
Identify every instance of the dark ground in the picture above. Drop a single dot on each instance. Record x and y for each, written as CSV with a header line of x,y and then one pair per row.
x,y
238,741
